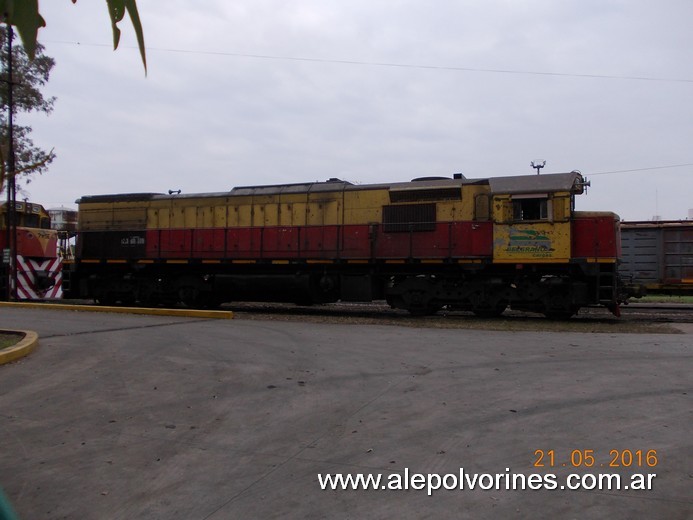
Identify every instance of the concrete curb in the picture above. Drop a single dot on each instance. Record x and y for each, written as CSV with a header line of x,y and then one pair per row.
x,y
21,349
187,313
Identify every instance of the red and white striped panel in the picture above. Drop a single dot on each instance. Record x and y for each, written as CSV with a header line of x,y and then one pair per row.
x,y
26,278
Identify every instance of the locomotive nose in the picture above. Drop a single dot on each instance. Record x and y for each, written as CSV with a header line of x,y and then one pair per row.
x,y
44,280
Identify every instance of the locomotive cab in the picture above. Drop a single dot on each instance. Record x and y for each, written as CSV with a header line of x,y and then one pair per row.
x,y
39,268
563,259
532,217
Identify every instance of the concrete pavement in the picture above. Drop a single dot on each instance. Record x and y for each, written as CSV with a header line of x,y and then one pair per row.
x,y
162,417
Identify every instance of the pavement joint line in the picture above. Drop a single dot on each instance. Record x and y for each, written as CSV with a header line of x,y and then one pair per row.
x,y
25,346
185,313
297,454
118,329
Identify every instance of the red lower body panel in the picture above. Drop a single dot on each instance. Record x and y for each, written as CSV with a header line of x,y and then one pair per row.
x,y
596,237
446,240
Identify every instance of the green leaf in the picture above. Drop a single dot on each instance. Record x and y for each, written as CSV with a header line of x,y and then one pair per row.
x,y
24,15
116,10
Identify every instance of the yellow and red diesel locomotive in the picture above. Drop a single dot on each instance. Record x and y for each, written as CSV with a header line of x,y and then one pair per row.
x,y
39,263
470,244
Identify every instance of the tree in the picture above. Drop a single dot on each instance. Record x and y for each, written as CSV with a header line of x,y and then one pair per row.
x,y
25,15
28,78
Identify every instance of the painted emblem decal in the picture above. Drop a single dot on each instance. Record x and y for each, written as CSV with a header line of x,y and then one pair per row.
x,y
529,241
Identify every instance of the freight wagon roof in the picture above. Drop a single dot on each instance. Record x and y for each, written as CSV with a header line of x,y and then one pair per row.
x,y
646,224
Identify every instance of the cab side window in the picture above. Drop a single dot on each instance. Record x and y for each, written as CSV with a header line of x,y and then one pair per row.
x,y
31,221
530,209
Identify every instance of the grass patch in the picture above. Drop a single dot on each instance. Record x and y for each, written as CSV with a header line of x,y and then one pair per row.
x,y
663,298
8,339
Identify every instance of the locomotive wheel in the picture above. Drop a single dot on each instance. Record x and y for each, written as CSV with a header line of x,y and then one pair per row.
x,y
491,311
428,310
188,295
115,292
418,303
559,315
416,295
193,293
558,306
107,299
195,298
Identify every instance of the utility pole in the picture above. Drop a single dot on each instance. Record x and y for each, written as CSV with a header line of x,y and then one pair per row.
x,y
11,209
538,166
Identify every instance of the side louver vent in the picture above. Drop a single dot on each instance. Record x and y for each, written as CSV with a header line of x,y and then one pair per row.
x,y
412,195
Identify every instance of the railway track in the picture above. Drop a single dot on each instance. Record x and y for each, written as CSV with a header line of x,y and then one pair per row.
x,y
661,312
638,317
634,318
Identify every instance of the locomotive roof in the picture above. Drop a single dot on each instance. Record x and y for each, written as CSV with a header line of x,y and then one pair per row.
x,y
279,189
552,182
338,185
24,206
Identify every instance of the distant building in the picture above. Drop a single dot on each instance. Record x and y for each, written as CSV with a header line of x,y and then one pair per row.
x,y
63,219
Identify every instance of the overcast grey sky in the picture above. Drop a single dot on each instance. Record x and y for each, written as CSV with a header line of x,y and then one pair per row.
x,y
281,91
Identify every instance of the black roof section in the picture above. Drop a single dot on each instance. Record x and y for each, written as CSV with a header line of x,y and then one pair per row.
x,y
121,197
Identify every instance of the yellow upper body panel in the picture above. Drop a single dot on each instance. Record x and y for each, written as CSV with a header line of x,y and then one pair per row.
x,y
335,203
340,207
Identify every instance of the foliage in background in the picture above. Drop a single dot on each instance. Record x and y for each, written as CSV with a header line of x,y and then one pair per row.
x,y
28,78
25,16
